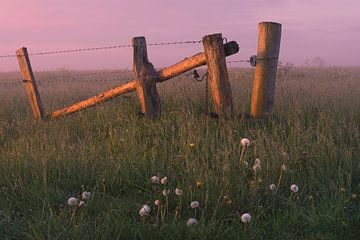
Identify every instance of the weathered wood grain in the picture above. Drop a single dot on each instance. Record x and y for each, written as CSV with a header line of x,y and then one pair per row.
x,y
145,79
218,75
263,93
30,83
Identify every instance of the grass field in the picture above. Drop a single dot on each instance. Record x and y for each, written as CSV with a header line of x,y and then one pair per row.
x,y
112,152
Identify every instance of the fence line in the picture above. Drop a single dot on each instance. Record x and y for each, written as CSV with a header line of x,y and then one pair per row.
x,y
145,77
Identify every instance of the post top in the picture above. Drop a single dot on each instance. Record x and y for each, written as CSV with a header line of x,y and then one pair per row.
x,y
271,23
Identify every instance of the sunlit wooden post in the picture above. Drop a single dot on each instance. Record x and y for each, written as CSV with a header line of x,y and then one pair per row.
x,y
263,93
218,75
145,78
30,83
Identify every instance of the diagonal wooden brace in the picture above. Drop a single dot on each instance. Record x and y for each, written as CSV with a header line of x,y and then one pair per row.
x,y
183,66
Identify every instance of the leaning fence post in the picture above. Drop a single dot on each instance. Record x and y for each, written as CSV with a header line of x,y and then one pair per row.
x,y
145,78
263,93
218,75
30,83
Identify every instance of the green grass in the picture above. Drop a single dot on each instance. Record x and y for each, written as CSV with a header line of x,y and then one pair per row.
x,y
112,152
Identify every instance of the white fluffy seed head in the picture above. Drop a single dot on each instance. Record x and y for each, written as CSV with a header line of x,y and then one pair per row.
x,y
147,208
157,202
194,204
191,221
73,201
85,195
154,179
178,191
142,212
246,217
272,187
164,180
294,188
245,142
165,192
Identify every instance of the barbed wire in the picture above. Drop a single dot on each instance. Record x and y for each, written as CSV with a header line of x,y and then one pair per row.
x,y
8,56
101,48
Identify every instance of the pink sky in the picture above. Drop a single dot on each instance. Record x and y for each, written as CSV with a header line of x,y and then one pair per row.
x,y
326,28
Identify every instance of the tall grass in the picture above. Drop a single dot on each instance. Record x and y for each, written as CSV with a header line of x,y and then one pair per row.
x,y
111,151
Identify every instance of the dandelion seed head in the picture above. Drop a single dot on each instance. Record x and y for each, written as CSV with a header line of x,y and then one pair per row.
x,y
294,188
72,201
164,180
147,208
191,221
154,179
166,192
142,212
245,142
178,192
157,202
85,195
195,204
246,217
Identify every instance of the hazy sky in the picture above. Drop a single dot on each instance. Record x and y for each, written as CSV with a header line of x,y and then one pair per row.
x,y
326,28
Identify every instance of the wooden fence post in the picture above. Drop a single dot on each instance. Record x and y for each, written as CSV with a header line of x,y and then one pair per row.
x,y
145,78
218,75
263,93
30,83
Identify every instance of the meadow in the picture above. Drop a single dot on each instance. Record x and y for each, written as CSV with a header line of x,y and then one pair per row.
x,y
312,139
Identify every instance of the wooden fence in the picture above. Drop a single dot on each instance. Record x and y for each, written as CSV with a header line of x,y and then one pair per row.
x,y
146,77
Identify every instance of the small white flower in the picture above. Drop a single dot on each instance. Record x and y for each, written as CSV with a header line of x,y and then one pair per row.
x,y
164,180
246,217
283,167
85,195
154,179
245,142
165,192
191,221
73,201
272,187
157,202
294,188
178,191
82,203
195,204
